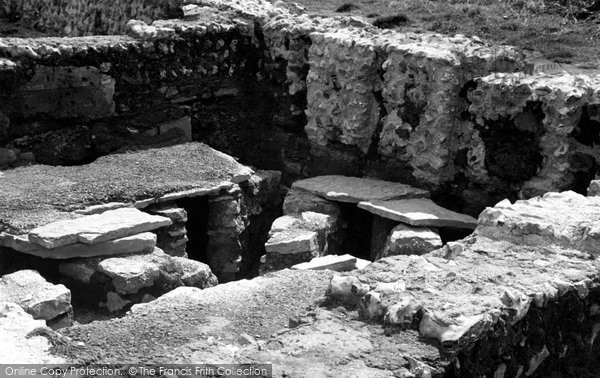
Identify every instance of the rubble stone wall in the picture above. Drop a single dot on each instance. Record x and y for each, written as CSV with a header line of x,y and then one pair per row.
x,y
78,18
309,96
113,91
515,298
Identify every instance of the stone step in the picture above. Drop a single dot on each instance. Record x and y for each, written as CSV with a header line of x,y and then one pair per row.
x,y
92,229
419,212
357,189
38,297
140,243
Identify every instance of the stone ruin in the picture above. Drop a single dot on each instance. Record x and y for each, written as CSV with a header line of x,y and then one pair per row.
x,y
242,182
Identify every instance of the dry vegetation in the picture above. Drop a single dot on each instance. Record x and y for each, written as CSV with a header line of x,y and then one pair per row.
x,y
563,31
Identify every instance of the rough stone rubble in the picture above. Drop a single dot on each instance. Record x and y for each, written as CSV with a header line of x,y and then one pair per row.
x,y
521,262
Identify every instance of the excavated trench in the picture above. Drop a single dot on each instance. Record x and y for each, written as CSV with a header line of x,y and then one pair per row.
x,y
230,90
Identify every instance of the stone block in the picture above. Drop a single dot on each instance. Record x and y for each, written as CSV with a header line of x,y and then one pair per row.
x,y
132,273
140,243
331,262
195,273
40,298
292,241
92,229
357,189
407,240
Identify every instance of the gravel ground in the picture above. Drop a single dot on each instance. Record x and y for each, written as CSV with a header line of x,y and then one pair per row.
x,y
193,326
259,307
40,194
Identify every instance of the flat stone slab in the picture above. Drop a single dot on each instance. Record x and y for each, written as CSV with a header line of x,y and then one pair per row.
x,y
568,220
37,195
332,262
419,212
356,189
140,243
38,297
93,229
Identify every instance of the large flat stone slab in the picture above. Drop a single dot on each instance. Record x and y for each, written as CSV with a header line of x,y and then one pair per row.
x,y
568,220
332,262
92,229
419,212
140,243
37,195
40,298
356,189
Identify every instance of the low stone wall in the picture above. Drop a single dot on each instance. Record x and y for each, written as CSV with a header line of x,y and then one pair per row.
x,y
78,18
68,101
518,297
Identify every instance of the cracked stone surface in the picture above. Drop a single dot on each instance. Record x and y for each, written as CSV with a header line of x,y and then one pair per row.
x,y
566,220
